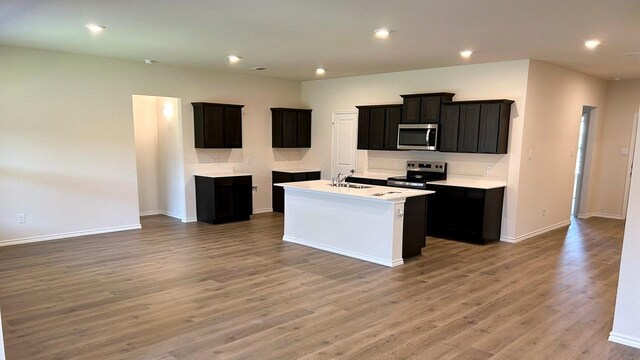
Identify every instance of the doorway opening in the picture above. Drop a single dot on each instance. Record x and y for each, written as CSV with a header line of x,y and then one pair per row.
x,y
580,160
157,127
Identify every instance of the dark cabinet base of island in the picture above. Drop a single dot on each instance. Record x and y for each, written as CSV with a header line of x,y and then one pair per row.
x,y
224,199
278,177
467,214
413,227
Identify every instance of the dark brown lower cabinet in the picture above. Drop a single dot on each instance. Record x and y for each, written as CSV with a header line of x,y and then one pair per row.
x,y
223,199
467,214
413,226
278,177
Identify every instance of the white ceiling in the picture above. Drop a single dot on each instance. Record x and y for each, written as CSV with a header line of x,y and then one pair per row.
x,y
293,37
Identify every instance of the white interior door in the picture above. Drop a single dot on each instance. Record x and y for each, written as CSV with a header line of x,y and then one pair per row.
x,y
344,142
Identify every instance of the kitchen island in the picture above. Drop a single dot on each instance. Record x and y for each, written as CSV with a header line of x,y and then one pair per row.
x,y
378,224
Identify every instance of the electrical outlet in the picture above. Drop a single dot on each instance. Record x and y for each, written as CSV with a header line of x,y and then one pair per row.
x,y
254,188
530,154
22,219
460,168
489,170
214,160
544,212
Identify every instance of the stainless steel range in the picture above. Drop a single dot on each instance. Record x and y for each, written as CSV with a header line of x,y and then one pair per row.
x,y
419,173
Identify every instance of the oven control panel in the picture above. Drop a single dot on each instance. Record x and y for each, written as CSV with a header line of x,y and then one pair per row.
x,y
427,166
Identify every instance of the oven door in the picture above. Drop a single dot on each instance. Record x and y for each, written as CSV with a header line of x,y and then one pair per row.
x,y
418,137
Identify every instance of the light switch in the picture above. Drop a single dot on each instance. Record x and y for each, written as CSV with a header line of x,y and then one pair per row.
x,y
624,152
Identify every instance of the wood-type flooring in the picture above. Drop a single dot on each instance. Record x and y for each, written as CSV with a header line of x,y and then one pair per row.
x,y
175,291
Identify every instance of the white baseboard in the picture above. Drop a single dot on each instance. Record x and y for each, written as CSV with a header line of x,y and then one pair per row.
x,y
68,235
342,252
517,239
602,215
260,211
150,212
189,220
624,340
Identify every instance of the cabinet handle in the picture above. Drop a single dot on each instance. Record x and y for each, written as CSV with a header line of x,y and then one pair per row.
x,y
426,138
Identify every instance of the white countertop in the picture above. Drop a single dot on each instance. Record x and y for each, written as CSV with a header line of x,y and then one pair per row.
x,y
378,175
220,174
475,183
324,186
296,170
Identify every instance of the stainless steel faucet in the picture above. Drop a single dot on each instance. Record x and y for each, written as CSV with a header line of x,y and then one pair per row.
x,y
337,181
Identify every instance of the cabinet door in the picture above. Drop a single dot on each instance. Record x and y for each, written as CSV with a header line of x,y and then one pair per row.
x,y
304,129
223,199
430,109
363,129
289,128
468,128
232,127
449,128
474,209
393,117
242,197
276,128
489,128
214,127
376,128
411,110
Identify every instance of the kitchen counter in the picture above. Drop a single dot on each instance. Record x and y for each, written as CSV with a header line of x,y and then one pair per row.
x,y
378,175
220,174
473,183
384,229
371,192
297,170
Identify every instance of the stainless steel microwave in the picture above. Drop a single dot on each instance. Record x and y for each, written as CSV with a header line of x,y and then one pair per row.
x,y
418,137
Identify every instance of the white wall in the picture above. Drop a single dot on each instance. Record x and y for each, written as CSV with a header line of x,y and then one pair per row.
x,y
627,313
1,340
555,98
146,139
486,81
623,99
171,189
67,138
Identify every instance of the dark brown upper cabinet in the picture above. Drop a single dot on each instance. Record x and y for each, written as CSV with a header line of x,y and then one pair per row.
x,y
480,126
378,126
423,108
290,128
217,126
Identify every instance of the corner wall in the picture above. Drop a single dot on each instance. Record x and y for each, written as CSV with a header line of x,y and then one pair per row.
x,y
610,183
627,314
555,97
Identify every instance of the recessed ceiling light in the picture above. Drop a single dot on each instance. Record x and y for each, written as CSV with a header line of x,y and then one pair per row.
x,y
234,58
259,68
320,71
95,28
150,61
616,79
635,53
592,44
382,33
466,53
